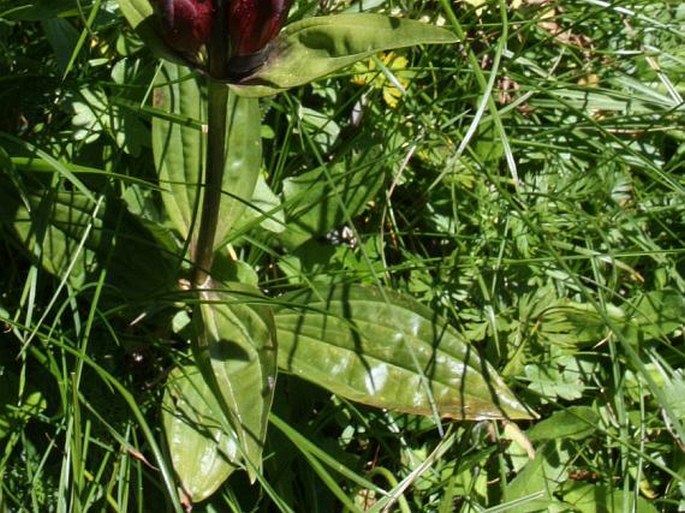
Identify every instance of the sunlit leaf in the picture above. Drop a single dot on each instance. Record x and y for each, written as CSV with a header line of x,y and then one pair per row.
x,y
265,208
383,349
237,342
14,413
658,313
367,73
215,414
179,143
314,200
202,452
555,380
315,47
535,484
652,315
576,422
599,498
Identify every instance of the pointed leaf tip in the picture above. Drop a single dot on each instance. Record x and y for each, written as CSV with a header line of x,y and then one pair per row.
x,y
240,360
384,349
315,47
215,413
202,453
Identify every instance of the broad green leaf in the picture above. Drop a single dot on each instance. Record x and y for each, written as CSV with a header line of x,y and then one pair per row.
x,y
658,313
488,143
13,412
652,315
265,208
243,161
202,452
306,50
136,11
384,349
68,233
59,230
179,143
314,200
237,357
576,422
554,380
568,324
674,391
539,479
600,498
315,47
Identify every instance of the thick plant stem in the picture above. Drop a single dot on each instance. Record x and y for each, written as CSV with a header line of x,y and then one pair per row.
x,y
214,171
217,102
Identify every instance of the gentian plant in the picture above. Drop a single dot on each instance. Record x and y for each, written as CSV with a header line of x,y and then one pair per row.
x,y
217,407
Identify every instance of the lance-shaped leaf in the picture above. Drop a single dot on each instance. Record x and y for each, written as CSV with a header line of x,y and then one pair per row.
x,y
70,233
315,47
179,142
237,357
202,451
386,350
313,199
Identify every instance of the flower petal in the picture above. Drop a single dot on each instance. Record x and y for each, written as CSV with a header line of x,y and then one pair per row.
x,y
253,23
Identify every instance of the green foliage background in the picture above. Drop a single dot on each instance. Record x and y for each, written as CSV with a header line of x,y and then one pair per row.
x,y
527,185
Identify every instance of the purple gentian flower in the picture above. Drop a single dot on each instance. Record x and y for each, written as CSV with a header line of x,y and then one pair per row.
x,y
250,26
187,25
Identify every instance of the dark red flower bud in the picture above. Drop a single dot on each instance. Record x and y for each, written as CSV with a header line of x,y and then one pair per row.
x,y
253,23
187,27
187,24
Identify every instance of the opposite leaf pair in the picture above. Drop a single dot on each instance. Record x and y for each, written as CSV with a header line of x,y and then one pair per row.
x,y
262,59
217,408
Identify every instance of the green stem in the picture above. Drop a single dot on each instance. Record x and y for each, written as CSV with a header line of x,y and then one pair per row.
x,y
216,149
214,171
